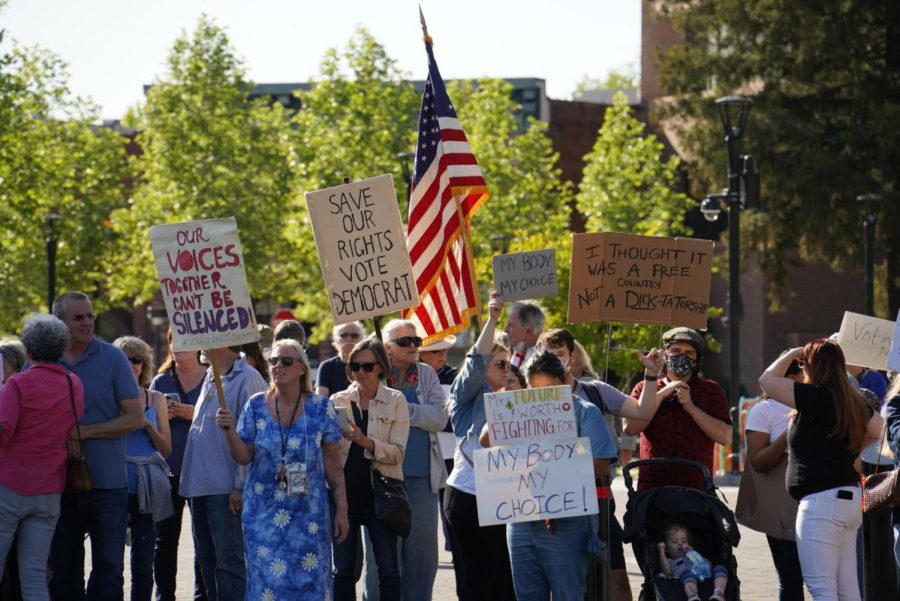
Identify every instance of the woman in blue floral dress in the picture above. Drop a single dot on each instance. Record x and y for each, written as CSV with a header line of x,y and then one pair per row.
x,y
289,437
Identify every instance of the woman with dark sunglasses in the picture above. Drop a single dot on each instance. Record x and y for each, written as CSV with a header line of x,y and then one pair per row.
x,y
482,551
377,427
424,472
289,437
332,374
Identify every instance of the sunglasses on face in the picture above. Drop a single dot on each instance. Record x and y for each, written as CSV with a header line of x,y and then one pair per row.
x,y
82,316
407,341
366,367
350,335
503,364
286,361
135,360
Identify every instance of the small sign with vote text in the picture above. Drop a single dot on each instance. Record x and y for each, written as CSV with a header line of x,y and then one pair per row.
x,y
866,341
530,414
201,272
640,279
362,249
531,274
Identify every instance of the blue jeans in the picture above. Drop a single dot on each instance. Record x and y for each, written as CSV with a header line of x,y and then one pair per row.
x,y
419,551
103,514
143,537
543,562
165,560
384,546
219,543
33,518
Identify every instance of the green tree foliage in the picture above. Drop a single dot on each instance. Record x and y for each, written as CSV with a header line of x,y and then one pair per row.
x,y
621,79
627,187
53,162
208,152
825,81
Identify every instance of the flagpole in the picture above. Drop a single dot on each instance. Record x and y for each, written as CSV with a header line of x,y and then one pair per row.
x,y
464,226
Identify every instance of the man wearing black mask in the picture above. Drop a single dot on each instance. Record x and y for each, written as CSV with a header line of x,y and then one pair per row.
x,y
692,416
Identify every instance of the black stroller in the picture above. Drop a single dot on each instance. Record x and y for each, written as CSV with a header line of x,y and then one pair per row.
x,y
709,520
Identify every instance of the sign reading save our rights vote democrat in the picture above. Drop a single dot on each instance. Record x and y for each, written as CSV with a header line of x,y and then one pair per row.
x,y
200,268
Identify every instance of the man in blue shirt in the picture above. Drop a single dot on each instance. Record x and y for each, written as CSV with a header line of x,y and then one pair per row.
x,y
214,482
112,409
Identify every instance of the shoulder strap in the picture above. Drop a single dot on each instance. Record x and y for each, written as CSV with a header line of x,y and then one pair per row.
x,y
74,412
593,395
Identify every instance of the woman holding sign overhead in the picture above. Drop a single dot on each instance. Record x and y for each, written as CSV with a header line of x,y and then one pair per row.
x,y
484,571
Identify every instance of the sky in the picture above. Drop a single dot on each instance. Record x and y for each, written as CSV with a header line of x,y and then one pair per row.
x,y
114,47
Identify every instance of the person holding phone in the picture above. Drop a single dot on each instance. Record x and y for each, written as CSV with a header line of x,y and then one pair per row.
x,y
376,439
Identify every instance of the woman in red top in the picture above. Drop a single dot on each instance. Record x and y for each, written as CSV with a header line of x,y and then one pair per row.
x,y
37,416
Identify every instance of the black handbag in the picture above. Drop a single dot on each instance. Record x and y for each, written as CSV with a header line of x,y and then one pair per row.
x,y
78,476
391,503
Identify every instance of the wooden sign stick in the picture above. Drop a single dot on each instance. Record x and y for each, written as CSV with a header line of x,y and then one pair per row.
x,y
217,375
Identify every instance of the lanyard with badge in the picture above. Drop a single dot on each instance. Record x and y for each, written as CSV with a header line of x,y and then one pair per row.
x,y
292,476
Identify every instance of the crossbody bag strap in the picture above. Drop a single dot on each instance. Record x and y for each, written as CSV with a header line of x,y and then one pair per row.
x,y
74,412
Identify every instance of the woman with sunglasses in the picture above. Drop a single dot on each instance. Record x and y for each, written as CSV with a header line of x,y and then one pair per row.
x,y
829,428
332,374
424,472
377,430
482,551
146,450
290,439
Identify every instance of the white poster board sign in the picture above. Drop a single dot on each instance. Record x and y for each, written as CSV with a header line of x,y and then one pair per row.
x,y
530,414
531,274
200,267
866,341
362,249
893,361
535,481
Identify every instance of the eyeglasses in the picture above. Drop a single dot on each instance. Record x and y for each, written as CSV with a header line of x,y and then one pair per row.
x,y
503,364
351,335
407,341
366,367
83,316
286,361
135,360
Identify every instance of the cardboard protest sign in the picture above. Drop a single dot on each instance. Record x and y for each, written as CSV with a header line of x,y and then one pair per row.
x,y
362,249
201,272
893,361
531,414
535,481
640,279
524,275
866,341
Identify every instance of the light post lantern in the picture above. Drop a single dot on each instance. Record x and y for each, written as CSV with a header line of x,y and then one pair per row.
x,y
742,192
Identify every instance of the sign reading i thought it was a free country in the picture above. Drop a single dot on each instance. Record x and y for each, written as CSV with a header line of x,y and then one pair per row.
x,y
362,249
530,414
640,279
200,267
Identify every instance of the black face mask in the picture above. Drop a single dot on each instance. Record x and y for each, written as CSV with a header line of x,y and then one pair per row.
x,y
680,366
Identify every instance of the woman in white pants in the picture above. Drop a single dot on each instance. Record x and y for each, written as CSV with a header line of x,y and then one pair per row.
x,y
830,426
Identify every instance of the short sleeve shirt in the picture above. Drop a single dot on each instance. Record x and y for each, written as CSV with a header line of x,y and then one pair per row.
x,y
591,424
612,397
672,433
333,375
769,417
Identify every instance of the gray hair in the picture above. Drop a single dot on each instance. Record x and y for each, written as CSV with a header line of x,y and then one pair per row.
x,y
531,314
45,338
396,324
59,305
336,330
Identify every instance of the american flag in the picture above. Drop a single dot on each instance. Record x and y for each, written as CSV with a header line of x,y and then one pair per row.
x,y
447,189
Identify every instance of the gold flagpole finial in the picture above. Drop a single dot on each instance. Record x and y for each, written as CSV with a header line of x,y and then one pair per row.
x,y
425,35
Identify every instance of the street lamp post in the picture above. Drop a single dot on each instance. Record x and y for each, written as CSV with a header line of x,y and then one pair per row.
x,y
742,192
869,220
52,241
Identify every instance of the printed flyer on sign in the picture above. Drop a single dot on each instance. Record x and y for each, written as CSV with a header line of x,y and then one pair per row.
x,y
201,273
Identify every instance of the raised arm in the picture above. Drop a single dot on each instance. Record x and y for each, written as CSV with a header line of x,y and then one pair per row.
x,y
773,382
644,407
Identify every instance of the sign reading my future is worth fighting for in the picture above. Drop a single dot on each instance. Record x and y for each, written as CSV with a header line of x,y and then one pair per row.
x,y
640,279
200,268
362,249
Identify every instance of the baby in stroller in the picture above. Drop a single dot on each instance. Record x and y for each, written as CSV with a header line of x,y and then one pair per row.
x,y
677,559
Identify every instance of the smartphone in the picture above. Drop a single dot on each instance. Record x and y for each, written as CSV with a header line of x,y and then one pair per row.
x,y
172,398
343,420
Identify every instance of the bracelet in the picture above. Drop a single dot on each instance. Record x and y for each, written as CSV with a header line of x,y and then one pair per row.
x,y
650,378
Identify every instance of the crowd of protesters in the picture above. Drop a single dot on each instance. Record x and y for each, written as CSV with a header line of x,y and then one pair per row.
x,y
279,473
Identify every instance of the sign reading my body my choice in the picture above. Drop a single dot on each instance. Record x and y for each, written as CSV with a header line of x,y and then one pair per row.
x,y
531,274
362,249
200,268
640,279
537,467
